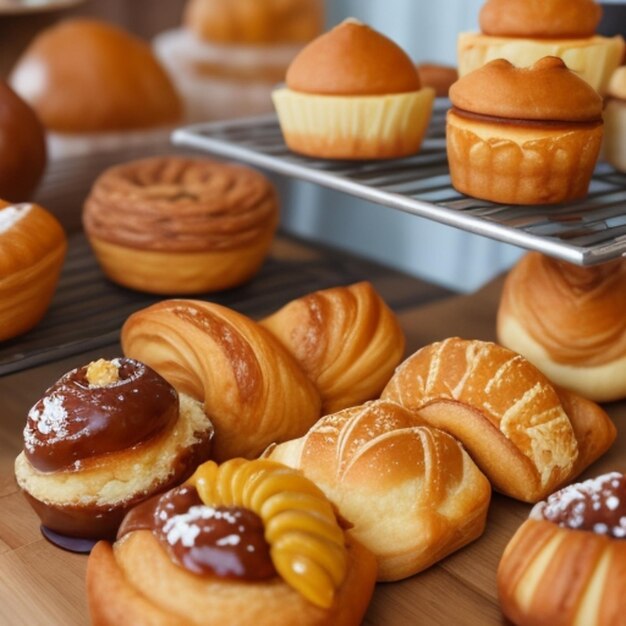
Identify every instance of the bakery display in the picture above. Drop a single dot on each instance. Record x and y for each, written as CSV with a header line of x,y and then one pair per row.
x,y
94,87
353,94
252,388
439,77
614,149
180,225
565,564
528,436
410,491
569,322
244,543
346,339
523,135
32,250
103,438
523,32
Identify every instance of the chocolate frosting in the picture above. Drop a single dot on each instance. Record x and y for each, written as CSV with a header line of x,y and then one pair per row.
x,y
75,420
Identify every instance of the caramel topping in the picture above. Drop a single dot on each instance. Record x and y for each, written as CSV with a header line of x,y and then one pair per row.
x,y
597,505
104,407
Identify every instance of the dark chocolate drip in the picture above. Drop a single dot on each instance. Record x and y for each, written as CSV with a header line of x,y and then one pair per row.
x,y
551,124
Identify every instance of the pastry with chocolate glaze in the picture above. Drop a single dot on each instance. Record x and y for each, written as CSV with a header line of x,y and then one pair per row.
x,y
104,437
523,135
565,564
524,31
246,543
179,225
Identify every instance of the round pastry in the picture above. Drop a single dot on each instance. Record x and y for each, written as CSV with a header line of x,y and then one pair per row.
x,y
177,225
247,543
32,250
614,150
569,322
22,147
353,94
104,437
524,32
565,565
439,77
95,86
523,135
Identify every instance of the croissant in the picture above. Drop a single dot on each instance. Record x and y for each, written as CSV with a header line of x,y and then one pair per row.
x,y
527,436
346,339
411,492
252,389
568,321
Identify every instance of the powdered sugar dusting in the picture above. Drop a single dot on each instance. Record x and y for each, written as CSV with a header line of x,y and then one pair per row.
x,y
47,417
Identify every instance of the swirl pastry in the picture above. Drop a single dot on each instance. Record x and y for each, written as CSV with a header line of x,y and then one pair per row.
x,y
253,390
32,250
347,340
174,225
247,543
411,492
103,438
565,566
569,322
526,435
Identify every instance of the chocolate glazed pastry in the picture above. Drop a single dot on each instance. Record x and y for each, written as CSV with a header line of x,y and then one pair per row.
x,y
103,438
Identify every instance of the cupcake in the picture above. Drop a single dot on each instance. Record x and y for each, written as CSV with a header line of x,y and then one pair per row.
x,y
524,32
523,135
615,121
353,94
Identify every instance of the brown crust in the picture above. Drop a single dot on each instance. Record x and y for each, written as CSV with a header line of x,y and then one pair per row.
x,y
548,124
545,91
352,60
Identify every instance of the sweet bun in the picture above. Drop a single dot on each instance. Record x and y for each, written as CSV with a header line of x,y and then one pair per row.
x,y
346,339
251,387
565,565
410,491
103,438
614,150
180,225
32,250
246,543
361,90
527,436
439,77
523,135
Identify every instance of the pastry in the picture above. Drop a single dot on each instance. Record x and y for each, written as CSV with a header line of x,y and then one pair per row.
x,y
353,94
22,147
410,491
179,225
569,322
347,340
524,31
251,387
614,150
247,543
526,435
439,77
94,87
104,437
565,565
523,135
32,250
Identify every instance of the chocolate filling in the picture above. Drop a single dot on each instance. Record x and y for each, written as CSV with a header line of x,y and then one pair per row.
x,y
553,124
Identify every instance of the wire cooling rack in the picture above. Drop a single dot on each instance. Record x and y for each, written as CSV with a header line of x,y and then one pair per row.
x,y
585,233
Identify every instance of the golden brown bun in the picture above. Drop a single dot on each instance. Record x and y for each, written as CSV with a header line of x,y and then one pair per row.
x,y
87,76
255,21
540,18
252,388
22,147
439,77
32,250
569,322
136,582
347,340
411,492
352,60
525,435
545,91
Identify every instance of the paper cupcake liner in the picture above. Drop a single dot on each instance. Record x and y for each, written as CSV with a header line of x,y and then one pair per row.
x,y
614,149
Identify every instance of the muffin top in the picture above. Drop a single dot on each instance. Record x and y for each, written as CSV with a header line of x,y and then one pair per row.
x,y
540,18
352,60
617,86
546,91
